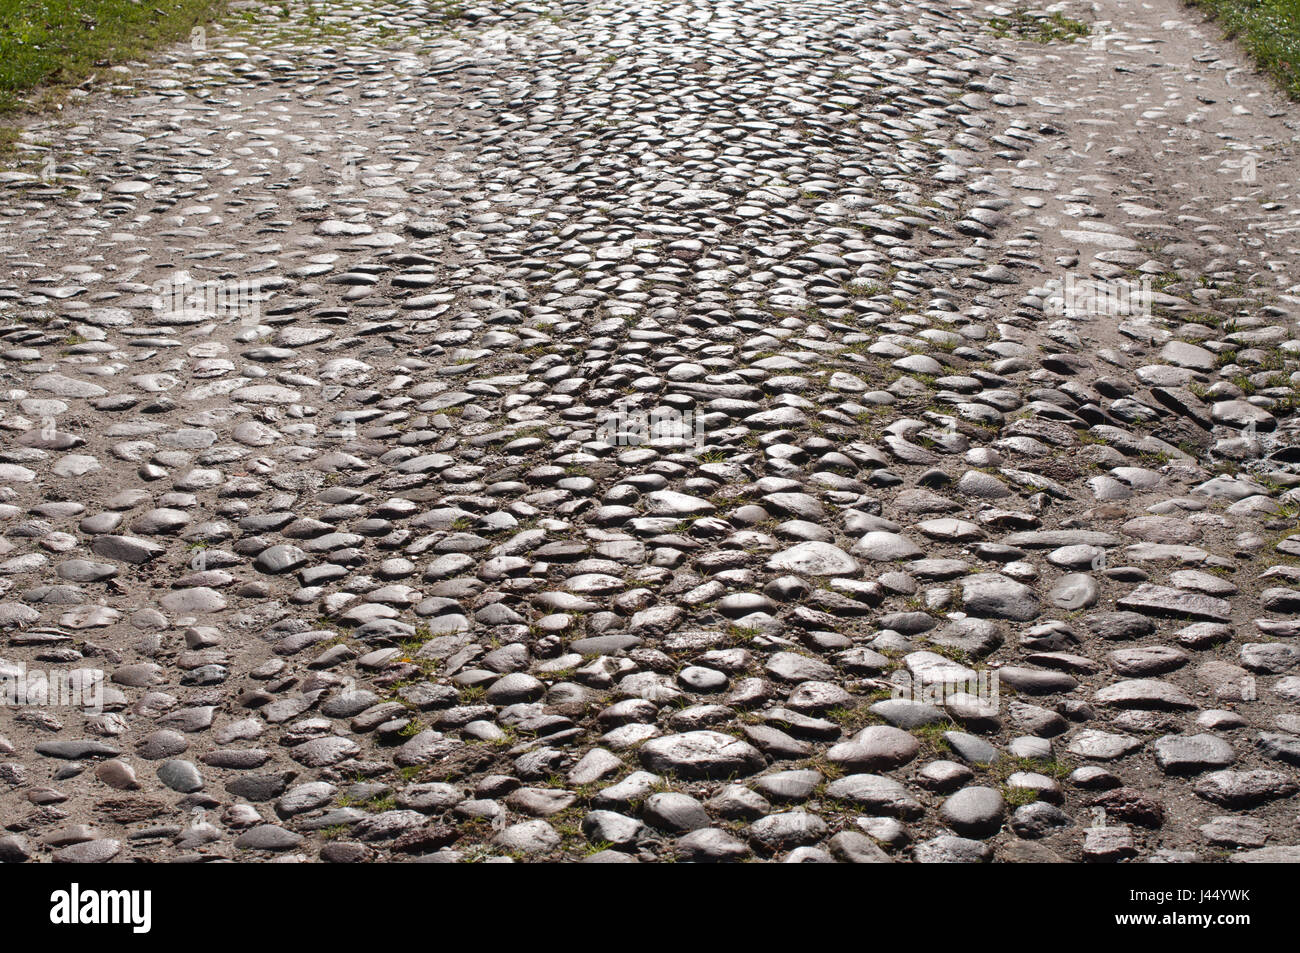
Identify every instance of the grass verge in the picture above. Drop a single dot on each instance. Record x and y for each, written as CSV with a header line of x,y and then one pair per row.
x,y
1268,29
49,46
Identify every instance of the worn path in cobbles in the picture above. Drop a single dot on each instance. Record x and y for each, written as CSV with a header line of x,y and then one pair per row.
x,y
971,357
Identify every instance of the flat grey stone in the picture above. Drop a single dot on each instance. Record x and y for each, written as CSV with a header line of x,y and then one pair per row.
x,y
1164,601
1244,789
995,596
708,755
1189,754
974,812
180,776
876,795
947,849
268,837
814,559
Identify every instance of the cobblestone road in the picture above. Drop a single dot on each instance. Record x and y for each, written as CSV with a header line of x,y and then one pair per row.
x,y
798,430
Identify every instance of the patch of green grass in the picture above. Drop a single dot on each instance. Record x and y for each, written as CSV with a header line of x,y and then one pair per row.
x,y
449,9
960,656
739,635
866,289
53,44
376,805
854,719
829,770
932,736
1041,29
507,739
1052,768
1268,29
1018,797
